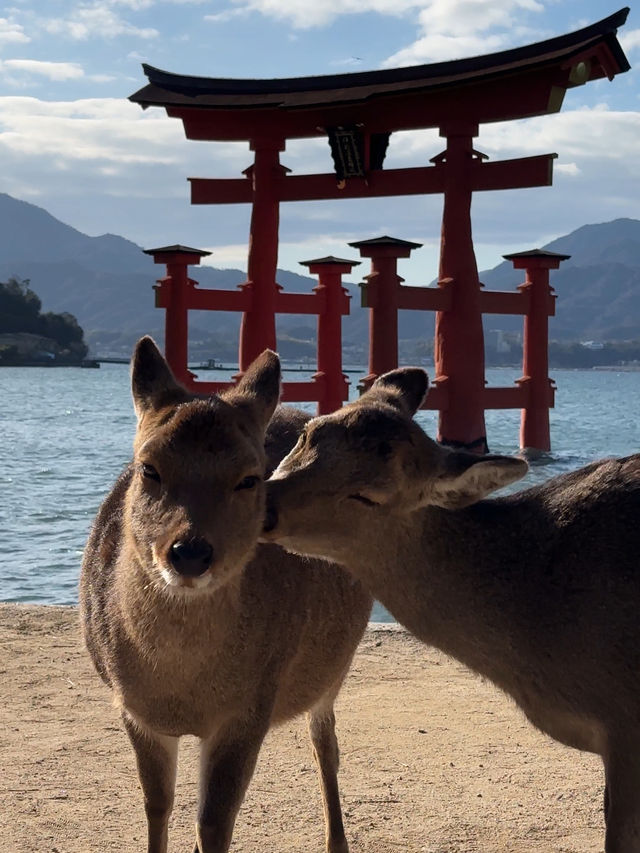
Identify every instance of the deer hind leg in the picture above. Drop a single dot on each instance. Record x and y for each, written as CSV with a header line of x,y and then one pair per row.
x,y
622,798
322,731
227,762
157,759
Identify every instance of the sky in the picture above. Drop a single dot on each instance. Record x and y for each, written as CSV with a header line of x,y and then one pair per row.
x,y
71,142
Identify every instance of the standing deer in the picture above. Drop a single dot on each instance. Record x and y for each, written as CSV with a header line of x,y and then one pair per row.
x,y
196,629
538,591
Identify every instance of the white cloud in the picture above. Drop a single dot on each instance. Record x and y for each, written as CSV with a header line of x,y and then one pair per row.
x,y
567,168
109,130
451,29
95,21
437,17
583,136
134,5
473,16
437,47
51,70
226,15
303,14
629,40
12,33
580,136
101,78
231,256
110,133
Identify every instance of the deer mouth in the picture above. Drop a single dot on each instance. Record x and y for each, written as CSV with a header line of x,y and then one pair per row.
x,y
177,582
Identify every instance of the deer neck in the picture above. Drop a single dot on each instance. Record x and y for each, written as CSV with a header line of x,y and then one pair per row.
x,y
447,576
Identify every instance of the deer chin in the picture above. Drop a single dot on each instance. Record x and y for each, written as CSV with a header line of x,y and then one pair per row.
x,y
186,585
303,547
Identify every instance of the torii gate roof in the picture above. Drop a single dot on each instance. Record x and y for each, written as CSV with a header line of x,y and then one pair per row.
x,y
511,84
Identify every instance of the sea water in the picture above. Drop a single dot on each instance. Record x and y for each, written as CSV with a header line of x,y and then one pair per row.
x,y
66,434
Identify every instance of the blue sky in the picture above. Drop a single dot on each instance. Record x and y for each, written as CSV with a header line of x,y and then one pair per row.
x,y
72,143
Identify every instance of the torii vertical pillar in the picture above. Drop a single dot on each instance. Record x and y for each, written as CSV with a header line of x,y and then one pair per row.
x,y
382,295
173,292
258,327
534,423
459,339
335,302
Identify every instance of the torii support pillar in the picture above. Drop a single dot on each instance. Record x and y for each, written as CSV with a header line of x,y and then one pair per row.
x,y
258,327
459,339
534,423
334,300
381,293
173,292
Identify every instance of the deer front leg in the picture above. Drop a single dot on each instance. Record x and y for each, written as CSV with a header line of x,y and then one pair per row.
x,y
322,723
157,758
227,762
622,791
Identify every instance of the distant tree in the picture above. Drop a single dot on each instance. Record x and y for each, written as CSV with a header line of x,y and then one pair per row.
x,y
20,311
63,328
19,307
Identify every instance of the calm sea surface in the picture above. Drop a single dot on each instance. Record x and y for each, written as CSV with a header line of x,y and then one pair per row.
x,y
66,433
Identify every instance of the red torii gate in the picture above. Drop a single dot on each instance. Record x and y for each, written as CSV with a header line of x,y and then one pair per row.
x,y
358,112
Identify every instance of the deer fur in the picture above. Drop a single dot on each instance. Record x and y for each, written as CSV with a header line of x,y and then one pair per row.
x,y
537,591
196,628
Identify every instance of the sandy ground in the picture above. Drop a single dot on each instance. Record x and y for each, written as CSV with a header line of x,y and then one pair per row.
x,y
433,761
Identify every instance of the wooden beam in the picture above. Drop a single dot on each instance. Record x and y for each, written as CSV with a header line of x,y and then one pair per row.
x,y
420,180
300,303
504,302
505,398
209,299
424,298
513,174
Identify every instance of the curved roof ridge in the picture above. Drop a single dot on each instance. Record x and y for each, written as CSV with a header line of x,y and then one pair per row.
x,y
197,85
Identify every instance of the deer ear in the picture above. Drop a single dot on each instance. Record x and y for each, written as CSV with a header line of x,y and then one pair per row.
x,y
405,388
259,388
153,385
468,478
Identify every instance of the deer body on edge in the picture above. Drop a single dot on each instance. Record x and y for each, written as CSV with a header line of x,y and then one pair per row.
x,y
538,591
196,628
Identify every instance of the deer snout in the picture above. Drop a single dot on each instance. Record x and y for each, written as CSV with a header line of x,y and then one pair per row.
x,y
191,557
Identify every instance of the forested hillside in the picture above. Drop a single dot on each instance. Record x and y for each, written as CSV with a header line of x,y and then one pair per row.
x,y
27,334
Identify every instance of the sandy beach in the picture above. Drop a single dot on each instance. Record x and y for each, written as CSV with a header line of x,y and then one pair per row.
x,y
433,760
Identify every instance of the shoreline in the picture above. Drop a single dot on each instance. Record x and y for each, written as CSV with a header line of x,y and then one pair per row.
x,y
433,760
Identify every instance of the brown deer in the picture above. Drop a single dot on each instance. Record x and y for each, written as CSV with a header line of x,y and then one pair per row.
x,y
537,591
196,628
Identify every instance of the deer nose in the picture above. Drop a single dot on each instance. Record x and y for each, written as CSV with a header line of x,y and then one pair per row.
x,y
191,557
270,517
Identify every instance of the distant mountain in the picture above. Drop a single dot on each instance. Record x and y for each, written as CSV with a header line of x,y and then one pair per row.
x,y
106,283
598,288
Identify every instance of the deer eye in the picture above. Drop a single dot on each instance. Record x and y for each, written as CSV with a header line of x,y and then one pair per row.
x,y
247,483
150,473
362,499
